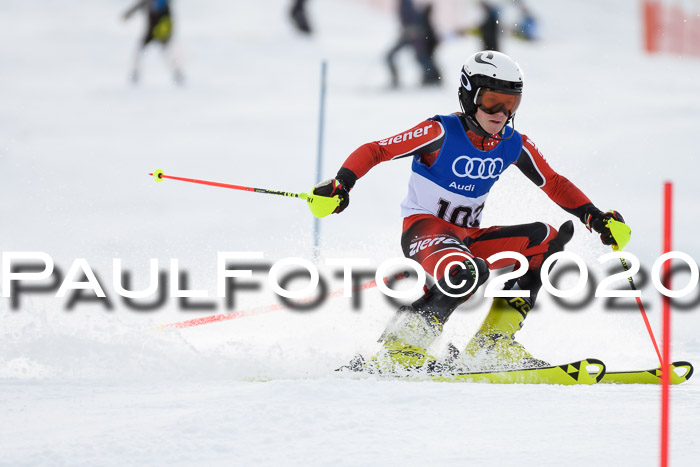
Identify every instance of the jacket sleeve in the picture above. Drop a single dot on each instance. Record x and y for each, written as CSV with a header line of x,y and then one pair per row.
x,y
559,189
426,137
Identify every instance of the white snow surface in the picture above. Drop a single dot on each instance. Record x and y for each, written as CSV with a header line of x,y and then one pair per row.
x,y
98,386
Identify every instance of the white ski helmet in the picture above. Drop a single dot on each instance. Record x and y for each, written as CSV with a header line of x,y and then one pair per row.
x,y
492,70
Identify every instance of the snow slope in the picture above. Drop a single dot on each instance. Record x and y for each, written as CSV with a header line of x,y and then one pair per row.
x,y
99,385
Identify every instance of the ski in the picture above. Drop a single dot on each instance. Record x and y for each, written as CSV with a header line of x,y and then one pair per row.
x,y
588,371
680,372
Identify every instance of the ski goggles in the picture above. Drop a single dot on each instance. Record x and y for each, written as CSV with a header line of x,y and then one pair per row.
x,y
492,101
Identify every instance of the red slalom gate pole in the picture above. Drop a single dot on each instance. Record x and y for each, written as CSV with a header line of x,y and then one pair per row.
x,y
666,306
270,308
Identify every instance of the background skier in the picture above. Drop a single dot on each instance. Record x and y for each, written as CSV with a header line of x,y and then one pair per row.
x,y
418,33
158,28
300,19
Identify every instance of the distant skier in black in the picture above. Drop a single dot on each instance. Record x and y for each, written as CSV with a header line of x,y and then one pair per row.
x,y
418,32
160,29
429,42
299,18
489,29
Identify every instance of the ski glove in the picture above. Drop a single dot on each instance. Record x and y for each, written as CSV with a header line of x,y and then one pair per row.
x,y
332,188
598,221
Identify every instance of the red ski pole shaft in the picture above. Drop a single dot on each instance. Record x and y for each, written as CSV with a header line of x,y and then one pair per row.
x,y
159,175
643,311
320,206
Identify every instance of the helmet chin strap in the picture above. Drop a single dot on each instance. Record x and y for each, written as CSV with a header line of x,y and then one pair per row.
x,y
474,126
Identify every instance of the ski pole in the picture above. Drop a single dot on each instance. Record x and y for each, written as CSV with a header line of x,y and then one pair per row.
x,y
320,206
622,234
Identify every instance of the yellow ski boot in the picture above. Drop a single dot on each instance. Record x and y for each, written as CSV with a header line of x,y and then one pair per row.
x,y
416,327
494,344
404,347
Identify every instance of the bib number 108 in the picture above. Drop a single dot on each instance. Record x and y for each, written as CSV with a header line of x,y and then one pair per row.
x,y
461,216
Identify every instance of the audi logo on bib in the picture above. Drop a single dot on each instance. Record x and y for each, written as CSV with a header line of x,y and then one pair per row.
x,y
474,167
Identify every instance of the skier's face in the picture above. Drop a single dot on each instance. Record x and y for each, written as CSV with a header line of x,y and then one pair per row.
x,y
492,123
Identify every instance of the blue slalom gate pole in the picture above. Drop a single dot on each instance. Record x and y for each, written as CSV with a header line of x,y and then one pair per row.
x,y
319,158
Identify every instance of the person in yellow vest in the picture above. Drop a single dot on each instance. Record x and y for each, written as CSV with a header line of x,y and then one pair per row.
x,y
160,29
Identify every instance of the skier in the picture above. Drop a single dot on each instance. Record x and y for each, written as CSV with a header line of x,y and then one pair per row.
x,y
159,28
418,32
526,28
489,30
456,160
299,17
